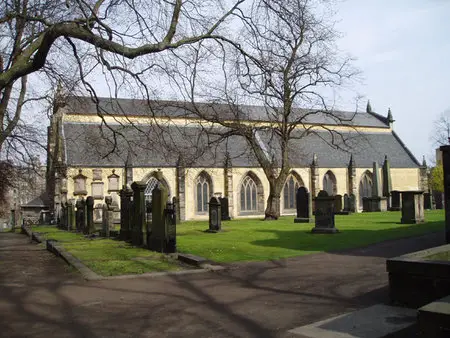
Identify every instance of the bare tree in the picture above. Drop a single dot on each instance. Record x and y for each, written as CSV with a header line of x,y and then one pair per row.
x,y
285,59
109,31
441,130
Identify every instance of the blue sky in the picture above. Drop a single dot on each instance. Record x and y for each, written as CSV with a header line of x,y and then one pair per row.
x,y
402,48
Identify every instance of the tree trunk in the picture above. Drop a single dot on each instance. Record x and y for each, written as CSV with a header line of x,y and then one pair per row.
x,y
273,202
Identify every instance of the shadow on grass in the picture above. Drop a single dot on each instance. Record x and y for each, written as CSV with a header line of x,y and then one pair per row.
x,y
360,242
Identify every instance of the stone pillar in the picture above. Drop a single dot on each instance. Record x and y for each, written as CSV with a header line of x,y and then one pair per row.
x,y
108,216
68,218
125,213
351,175
128,177
139,222
90,228
315,187
446,166
387,181
181,191
423,177
228,188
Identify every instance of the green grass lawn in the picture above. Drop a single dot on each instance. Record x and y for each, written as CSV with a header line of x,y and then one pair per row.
x,y
242,240
109,257
256,240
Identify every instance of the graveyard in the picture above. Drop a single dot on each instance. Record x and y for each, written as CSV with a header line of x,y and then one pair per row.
x,y
239,241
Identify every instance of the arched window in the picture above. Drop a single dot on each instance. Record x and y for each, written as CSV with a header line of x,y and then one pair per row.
x,y
289,192
249,193
365,186
151,184
329,183
203,189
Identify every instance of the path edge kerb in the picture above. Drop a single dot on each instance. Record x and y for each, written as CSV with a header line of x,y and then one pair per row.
x,y
90,275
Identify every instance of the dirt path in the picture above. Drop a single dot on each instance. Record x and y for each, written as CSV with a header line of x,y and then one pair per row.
x,y
41,297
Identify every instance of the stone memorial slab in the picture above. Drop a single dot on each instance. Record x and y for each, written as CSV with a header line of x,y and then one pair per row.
x,y
224,208
412,207
215,215
303,206
324,214
396,201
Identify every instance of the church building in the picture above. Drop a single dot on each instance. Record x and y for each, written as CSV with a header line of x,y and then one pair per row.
x,y
95,148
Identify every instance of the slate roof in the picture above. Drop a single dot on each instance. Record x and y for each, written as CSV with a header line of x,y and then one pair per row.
x,y
90,145
173,109
40,201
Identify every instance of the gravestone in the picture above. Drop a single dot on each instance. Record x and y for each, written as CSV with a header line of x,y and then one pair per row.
x,y
324,214
427,202
139,224
352,203
446,166
80,214
224,208
90,228
412,207
346,202
125,213
163,235
376,202
396,201
303,206
69,216
337,203
176,204
215,215
108,217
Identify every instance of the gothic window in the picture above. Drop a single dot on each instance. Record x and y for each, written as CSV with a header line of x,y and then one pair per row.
x,y
151,184
249,193
202,193
329,183
365,186
289,192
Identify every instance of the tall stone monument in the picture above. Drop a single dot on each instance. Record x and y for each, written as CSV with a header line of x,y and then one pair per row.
x,y
412,207
376,202
215,215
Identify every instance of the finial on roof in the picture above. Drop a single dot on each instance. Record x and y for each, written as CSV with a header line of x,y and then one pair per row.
x,y
351,163
389,116
128,162
424,161
314,161
369,107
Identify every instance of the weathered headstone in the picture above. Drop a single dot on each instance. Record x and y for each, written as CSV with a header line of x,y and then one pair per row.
x,y
303,206
337,203
163,234
224,208
108,216
387,181
324,214
396,201
90,228
176,205
412,207
215,215
446,166
81,214
427,202
376,202
139,224
346,203
68,218
352,203
125,213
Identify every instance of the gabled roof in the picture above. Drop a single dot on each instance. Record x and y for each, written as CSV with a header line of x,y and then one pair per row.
x,y
89,145
41,201
179,109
